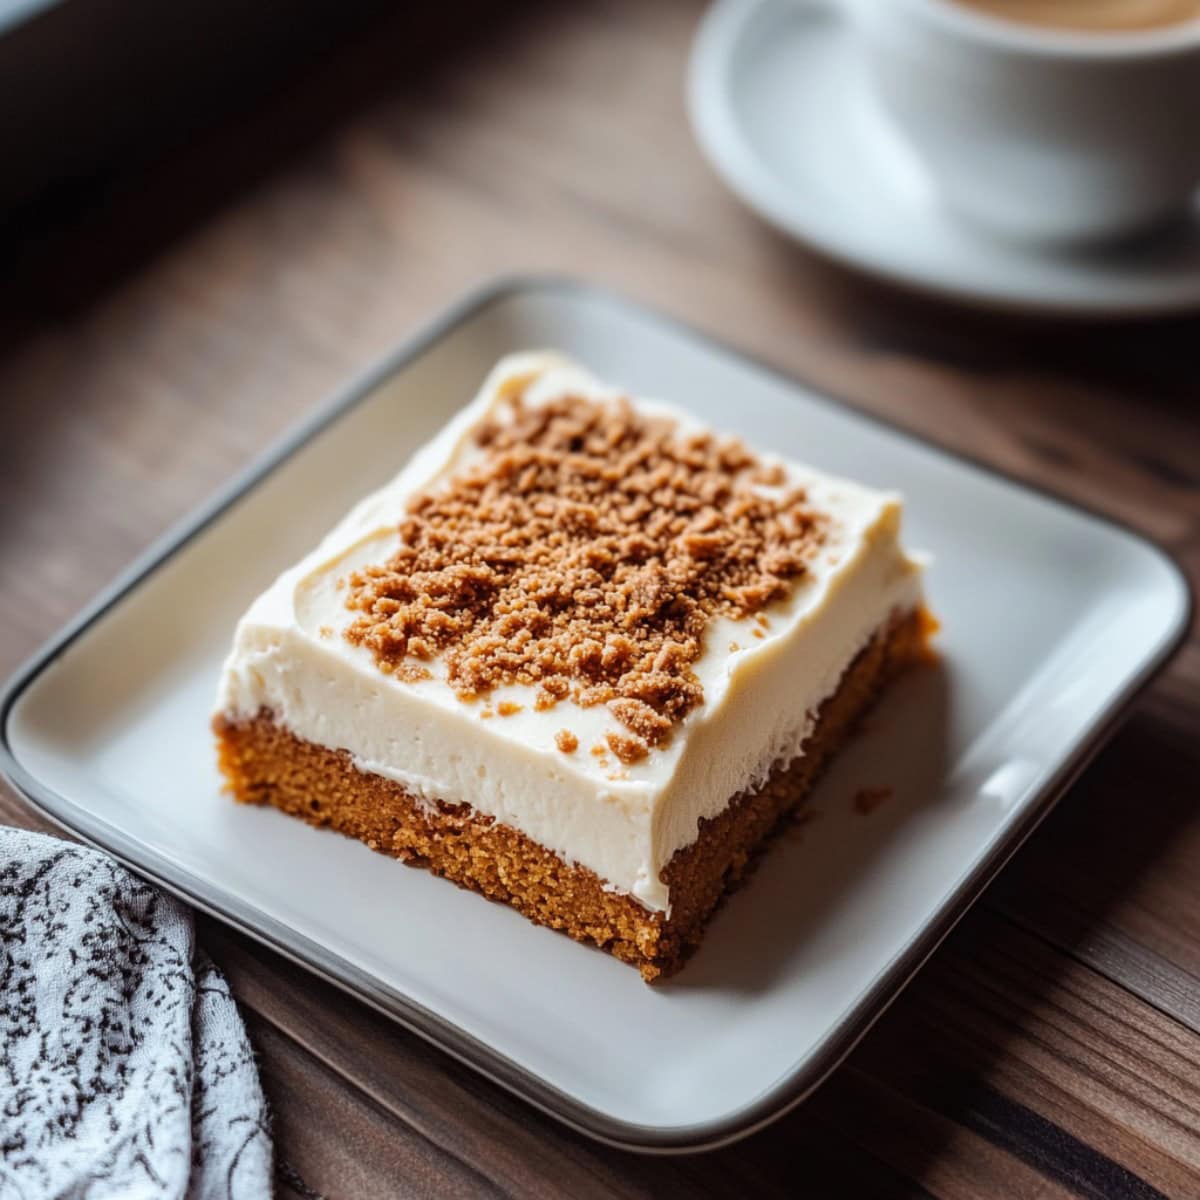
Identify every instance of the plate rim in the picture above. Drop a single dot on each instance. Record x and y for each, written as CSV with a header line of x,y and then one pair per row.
x,y
796,1083
719,136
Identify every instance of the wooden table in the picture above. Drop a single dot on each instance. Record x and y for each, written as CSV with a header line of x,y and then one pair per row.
x,y
157,342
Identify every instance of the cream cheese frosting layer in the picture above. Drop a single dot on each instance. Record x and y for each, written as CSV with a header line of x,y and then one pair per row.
x,y
761,694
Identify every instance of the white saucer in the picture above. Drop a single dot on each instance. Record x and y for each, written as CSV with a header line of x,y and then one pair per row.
x,y
780,106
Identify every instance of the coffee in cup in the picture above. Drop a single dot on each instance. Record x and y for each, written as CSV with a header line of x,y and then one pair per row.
x,y
1096,16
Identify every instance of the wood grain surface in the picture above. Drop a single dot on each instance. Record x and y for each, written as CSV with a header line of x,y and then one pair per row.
x,y
157,337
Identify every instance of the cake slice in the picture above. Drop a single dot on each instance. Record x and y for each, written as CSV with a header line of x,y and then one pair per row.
x,y
582,655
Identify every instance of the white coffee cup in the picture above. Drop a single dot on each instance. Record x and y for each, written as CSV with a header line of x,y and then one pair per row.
x,y
1035,133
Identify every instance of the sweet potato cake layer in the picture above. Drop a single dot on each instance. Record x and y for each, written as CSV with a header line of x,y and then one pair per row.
x,y
264,763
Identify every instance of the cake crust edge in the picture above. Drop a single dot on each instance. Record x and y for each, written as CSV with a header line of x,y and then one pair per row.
x,y
264,763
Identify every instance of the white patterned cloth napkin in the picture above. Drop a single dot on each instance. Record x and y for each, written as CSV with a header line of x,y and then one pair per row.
x,y
125,1070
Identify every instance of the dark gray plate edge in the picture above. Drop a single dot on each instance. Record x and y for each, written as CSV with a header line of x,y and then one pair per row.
x,y
795,1085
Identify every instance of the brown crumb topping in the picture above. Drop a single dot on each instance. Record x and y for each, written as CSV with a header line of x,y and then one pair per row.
x,y
506,708
550,693
627,748
566,741
412,672
585,553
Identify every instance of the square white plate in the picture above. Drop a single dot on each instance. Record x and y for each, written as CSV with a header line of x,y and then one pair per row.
x,y
1052,619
